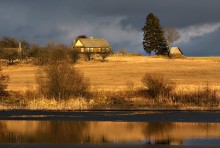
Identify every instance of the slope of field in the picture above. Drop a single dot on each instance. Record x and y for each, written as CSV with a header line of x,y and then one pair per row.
x,y
123,72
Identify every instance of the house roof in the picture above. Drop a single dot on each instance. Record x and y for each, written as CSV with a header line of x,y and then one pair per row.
x,y
93,42
174,50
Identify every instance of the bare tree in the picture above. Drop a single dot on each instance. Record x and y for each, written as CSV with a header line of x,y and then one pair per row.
x,y
104,55
123,51
171,35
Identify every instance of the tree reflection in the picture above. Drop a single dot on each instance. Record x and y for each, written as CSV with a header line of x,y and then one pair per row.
x,y
2,132
68,131
103,132
61,132
46,132
159,128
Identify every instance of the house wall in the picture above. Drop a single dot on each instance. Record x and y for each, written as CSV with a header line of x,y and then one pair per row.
x,y
78,44
177,51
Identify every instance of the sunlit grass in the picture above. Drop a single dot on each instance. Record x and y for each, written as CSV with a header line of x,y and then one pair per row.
x,y
116,83
116,71
52,104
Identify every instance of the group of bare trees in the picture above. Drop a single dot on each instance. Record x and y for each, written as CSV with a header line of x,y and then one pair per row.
x,y
51,52
39,55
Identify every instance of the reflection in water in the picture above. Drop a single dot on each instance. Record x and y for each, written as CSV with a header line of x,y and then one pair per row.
x,y
104,132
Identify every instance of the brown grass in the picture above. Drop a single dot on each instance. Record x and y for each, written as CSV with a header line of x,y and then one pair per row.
x,y
115,73
112,79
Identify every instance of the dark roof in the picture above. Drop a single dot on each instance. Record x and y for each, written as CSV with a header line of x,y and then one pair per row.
x,y
94,43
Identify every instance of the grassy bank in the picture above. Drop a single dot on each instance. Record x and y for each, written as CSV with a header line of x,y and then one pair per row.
x,y
116,84
121,100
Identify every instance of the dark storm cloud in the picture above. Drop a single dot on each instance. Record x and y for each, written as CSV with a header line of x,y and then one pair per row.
x,y
185,12
119,21
205,46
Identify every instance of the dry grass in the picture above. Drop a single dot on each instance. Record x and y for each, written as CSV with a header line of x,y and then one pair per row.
x,y
116,72
21,77
52,104
112,79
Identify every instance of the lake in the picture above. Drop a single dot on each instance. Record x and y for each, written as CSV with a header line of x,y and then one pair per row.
x,y
52,128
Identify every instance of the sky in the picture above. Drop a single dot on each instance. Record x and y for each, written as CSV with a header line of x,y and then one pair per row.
x,y
118,21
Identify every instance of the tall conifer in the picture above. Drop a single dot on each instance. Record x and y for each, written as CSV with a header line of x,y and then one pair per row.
x,y
154,39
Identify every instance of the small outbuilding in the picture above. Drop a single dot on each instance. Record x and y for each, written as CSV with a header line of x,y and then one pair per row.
x,y
175,52
92,45
19,49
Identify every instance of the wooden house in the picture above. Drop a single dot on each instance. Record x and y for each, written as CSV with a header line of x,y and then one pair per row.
x,y
92,45
175,52
18,49
11,54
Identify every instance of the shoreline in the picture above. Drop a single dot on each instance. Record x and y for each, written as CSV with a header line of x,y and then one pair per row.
x,y
193,109
103,146
113,116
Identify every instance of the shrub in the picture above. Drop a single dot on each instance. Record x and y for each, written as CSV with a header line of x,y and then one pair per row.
x,y
104,55
62,81
203,96
157,86
74,55
41,57
57,78
3,84
122,51
54,52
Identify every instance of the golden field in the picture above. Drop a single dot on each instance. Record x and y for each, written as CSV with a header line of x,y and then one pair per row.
x,y
116,84
126,72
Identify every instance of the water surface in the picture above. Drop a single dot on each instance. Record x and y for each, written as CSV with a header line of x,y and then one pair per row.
x,y
101,132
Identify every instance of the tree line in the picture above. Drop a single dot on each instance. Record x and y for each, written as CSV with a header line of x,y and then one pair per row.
x,y
56,77
39,55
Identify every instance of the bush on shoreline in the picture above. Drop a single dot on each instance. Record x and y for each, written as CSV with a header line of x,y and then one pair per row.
x,y
59,79
158,86
62,81
164,90
3,84
204,96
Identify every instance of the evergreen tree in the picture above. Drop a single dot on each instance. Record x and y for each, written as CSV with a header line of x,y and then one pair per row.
x,y
154,39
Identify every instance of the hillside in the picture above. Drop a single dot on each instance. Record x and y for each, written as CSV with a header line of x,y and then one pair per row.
x,y
123,72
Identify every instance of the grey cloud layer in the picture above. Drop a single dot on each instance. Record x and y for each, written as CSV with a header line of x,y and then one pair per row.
x,y
120,21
